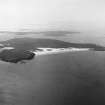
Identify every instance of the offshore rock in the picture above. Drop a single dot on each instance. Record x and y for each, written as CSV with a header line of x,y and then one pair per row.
x,y
15,56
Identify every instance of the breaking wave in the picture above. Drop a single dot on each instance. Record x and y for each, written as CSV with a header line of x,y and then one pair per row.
x,y
45,51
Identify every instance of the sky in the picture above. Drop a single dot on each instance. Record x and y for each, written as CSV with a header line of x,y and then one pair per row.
x,y
51,14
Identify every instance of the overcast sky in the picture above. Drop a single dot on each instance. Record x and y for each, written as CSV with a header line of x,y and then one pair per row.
x,y
17,14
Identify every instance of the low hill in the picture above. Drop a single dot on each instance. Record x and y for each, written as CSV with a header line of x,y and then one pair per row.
x,y
24,46
33,43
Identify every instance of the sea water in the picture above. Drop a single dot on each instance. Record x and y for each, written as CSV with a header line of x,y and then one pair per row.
x,y
70,78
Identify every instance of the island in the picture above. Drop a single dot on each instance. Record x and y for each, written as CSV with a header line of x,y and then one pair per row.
x,y
15,56
21,49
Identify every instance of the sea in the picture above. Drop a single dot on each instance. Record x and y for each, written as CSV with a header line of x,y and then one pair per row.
x,y
69,78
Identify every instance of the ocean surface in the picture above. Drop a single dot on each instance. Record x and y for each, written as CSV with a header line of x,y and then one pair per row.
x,y
70,78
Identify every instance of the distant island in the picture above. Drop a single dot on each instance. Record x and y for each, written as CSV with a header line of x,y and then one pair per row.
x,y
46,33
23,47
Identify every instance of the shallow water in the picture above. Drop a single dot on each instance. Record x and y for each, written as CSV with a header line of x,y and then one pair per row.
x,y
72,78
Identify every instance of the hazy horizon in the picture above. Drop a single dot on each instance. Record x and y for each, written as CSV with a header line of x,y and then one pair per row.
x,y
84,16
52,14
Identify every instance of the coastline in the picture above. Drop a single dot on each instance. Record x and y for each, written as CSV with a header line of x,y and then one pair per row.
x,y
45,51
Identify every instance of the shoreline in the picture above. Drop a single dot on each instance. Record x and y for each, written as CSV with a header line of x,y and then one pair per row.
x,y
45,51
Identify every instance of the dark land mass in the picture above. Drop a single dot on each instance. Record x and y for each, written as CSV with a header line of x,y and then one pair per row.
x,y
34,43
15,56
24,46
